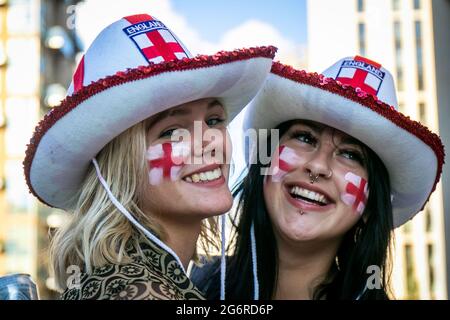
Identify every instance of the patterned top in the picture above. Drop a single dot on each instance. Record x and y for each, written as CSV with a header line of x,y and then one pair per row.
x,y
156,275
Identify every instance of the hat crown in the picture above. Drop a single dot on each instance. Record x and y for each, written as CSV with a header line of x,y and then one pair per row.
x,y
130,42
367,75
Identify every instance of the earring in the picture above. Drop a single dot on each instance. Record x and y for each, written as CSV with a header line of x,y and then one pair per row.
x,y
336,260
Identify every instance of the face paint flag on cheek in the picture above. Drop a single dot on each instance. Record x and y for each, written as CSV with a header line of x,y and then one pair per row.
x,y
284,160
356,192
165,161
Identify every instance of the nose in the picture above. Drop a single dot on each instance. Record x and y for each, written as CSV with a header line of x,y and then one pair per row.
x,y
209,143
318,165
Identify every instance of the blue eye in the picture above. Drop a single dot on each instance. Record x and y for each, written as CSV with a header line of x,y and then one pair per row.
x,y
304,136
167,133
352,155
214,121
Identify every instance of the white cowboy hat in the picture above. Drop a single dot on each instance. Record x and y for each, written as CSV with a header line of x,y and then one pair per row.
x,y
357,96
135,68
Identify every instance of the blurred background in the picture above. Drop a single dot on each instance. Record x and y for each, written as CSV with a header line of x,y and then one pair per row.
x,y
42,40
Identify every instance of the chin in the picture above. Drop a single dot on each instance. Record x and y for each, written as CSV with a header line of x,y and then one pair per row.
x,y
305,237
214,208
300,231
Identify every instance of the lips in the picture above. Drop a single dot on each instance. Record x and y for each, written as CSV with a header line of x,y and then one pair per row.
x,y
307,198
309,195
206,176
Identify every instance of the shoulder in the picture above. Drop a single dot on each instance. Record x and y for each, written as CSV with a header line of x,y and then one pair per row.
x,y
206,276
132,281
111,282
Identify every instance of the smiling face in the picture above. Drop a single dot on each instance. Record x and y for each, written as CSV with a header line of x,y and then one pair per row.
x,y
188,160
317,189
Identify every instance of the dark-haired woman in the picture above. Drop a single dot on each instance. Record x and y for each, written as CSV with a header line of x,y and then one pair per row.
x,y
316,222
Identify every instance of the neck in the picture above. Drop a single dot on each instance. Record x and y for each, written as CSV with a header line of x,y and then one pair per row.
x,y
302,267
182,237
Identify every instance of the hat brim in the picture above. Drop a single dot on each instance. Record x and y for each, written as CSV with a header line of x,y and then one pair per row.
x,y
71,135
411,153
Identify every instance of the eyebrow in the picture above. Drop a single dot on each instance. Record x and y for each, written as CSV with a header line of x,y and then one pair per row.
x,y
313,125
319,128
180,112
213,104
351,140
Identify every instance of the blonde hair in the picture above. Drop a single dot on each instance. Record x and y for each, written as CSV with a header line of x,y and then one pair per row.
x,y
97,233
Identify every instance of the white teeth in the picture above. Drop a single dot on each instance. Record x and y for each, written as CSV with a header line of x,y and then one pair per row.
x,y
309,194
205,176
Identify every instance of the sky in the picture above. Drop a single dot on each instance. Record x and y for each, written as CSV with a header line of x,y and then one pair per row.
x,y
288,16
206,27
210,26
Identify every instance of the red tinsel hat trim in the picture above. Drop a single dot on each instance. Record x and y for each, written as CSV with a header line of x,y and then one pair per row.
x,y
122,77
369,101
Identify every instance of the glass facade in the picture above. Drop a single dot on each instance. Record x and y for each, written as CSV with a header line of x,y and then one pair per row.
x,y
398,54
419,55
362,39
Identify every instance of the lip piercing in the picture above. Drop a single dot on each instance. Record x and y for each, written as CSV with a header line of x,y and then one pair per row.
x,y
313,178
302,212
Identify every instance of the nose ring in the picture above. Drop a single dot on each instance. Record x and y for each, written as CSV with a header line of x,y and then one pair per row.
x,y
313,177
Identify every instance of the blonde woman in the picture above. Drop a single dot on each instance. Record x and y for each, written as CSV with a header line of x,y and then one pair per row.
x,y
111,154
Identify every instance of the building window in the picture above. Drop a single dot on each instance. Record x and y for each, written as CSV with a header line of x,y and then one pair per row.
x,y
16,82
399,77
360,5
431,275
428,220
416,4
407,227
398,54
23,17
412,289
395,5
422,113
21,116
419,55
362,38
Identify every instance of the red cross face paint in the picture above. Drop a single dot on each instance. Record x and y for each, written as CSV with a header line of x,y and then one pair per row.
x,y
166,160
284,160
356,192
